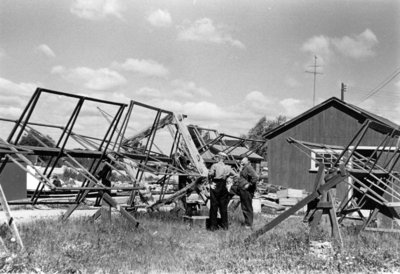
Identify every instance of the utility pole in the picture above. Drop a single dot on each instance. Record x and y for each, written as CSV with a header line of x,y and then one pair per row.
x,y
343,89
314,71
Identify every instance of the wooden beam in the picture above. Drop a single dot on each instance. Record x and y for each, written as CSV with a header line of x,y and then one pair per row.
x,y
333,181
10,219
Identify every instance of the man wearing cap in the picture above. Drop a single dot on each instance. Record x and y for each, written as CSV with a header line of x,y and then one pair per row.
x,y
247,186
219,196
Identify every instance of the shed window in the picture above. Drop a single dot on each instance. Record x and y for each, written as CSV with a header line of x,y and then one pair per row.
x,y
323,156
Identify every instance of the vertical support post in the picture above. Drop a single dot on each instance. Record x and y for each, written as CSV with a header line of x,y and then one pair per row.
x,y
10,219
105,212
325,206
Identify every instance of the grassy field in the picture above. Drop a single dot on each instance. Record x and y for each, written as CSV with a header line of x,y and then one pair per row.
x,y
164,243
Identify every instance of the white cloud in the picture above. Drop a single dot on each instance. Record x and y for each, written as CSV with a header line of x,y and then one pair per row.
x,y
233,119
10,112
160,18
188,89
257,102
203,30
168,104
318,45
293,107
100,79
96,9
205,111
14,96
46,50
257,96
2,53
144,67
9,88
292,82
148,92
357,46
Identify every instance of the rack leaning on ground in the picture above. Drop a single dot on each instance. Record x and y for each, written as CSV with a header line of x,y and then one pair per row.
x,y
116,147
374,184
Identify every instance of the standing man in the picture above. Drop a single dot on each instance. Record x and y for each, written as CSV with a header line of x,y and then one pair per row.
x,y
219,196
247,186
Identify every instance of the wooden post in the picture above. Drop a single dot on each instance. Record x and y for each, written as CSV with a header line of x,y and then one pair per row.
x,y
331,181
105,211
10,219
324,214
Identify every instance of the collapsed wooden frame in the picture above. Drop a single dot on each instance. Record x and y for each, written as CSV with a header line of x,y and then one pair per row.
x,y
114,150
111,150
379,184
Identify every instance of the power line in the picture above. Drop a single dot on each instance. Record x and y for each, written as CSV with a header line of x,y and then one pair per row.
x,y
315,75
382,84
361,90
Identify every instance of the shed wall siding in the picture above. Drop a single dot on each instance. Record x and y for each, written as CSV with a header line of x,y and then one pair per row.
x,y
289,167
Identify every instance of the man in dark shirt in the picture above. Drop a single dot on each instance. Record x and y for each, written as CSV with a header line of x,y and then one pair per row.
x,y
247,186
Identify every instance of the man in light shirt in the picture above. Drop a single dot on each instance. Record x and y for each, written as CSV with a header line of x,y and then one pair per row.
x,y
219,195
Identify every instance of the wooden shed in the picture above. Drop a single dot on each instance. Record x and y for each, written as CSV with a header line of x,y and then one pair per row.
x,y
333,122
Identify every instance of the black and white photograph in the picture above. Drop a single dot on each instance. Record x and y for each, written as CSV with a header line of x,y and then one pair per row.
x,y
199,136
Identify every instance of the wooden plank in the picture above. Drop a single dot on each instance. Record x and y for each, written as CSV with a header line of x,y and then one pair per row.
x,y
366,172
176,195
334,221
100,188
194,154
96,215
123,212
334,180
10,219
375,229
105,212
288,201
272,205
290,193
392,204
68,213
324,205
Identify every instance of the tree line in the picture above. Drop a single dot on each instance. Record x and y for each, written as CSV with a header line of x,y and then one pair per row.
x,y
262,127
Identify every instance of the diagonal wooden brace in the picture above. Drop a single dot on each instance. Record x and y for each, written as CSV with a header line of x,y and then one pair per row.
x,y
332,182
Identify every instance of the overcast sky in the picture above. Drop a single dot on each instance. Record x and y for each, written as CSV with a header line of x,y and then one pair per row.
x,y
224,63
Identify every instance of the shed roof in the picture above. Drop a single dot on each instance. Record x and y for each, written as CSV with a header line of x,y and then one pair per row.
x,y
350,109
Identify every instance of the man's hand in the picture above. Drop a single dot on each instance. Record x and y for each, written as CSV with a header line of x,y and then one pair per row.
x,y
213,185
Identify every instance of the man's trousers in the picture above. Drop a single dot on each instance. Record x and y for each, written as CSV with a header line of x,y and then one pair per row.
x,y
219,199
246,201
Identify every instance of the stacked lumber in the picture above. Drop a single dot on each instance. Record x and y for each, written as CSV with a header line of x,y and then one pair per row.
x,y
270,201
290,197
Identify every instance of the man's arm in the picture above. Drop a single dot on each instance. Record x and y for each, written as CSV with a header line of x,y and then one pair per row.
x,y
211,172
252,175
232,172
